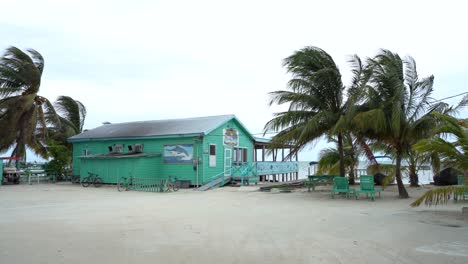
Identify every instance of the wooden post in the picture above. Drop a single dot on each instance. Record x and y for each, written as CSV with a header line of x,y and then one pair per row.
x,y
297,173
263,153
255,153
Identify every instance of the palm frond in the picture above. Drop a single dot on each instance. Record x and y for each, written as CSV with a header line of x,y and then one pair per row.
x,y
441,195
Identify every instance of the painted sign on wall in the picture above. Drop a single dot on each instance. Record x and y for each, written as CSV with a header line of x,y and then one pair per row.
x,y
230,137
181,153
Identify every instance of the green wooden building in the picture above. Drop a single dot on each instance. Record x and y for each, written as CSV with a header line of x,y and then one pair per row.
x,y
193,149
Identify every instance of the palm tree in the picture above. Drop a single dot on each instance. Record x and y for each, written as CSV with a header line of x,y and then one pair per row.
x,y
72,114
24,114
398,107
329,162
453,153
316,103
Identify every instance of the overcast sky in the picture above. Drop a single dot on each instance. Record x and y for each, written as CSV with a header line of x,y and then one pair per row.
x,y
148,60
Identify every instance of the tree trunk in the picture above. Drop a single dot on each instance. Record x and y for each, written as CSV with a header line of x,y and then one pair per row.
x,y
401,188
414,181
351,176
340,151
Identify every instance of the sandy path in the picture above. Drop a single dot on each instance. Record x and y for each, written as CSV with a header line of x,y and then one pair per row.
x,y
70,224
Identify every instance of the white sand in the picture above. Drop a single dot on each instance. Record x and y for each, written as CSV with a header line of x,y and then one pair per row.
x,y
70,224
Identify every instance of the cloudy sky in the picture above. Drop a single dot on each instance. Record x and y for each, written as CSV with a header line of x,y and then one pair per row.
x,y
148,60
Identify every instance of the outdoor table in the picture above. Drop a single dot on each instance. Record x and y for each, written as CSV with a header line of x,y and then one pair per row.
x,y
319,179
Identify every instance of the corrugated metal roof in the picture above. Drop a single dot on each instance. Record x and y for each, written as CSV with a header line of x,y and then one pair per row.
x,y
197,125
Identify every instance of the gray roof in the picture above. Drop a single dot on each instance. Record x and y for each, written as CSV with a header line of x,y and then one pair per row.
x,y
170,127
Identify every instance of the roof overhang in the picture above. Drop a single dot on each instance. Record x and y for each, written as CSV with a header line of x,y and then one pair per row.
x,y
136,138
122,155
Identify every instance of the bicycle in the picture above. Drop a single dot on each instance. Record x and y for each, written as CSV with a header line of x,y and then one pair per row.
x,y
75,179
173,184
124,184
92,178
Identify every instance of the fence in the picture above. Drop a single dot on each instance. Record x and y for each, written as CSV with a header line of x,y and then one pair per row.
x,y
36,177
149,184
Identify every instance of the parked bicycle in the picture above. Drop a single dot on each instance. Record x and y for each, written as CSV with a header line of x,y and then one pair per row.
x,y
75,179
92,178
173,184
125,183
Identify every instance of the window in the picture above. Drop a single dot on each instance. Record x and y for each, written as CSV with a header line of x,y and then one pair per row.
x,y
212,155
240,156
137,148
86,152
116,148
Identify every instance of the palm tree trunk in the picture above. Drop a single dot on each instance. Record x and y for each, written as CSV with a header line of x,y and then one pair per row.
x,y
341,153
414,181
351,175
402,193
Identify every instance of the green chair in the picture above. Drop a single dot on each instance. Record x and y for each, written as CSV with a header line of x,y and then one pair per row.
x,y
367,186
460,182
341,185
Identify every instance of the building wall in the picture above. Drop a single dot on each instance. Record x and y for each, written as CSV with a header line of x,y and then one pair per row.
x,y
140,167
112,169
216,138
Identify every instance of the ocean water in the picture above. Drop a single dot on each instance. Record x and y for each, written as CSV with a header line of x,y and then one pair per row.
x,y
425,176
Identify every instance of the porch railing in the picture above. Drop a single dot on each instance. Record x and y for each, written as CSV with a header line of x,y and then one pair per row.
x,y
247,171
273,167
221,175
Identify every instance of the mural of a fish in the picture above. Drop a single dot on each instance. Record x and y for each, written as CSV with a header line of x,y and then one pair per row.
x,y
178,153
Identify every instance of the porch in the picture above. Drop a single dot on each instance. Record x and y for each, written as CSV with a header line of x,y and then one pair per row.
x,y
281,168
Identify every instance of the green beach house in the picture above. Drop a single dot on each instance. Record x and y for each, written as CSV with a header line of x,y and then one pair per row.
x,y
191,149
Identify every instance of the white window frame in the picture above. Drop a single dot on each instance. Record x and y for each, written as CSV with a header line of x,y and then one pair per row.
x,y
240,155
212,161
118,148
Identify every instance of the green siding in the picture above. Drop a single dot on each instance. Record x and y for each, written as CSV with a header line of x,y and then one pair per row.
x,y
216,137
145,167
112,169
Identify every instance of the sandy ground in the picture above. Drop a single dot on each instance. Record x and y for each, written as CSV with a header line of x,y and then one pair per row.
x,y
66,223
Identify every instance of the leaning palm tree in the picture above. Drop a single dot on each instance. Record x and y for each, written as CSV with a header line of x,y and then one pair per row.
x,y
398,107
24,114
315,99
